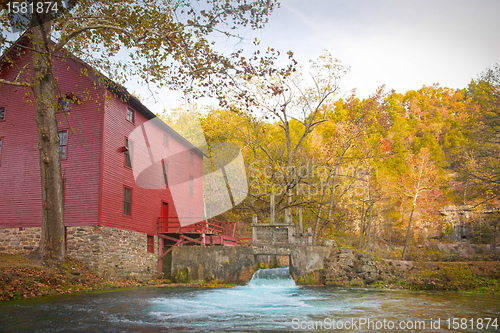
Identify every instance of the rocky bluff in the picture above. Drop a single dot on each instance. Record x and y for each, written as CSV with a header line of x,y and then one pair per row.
x,y
346,267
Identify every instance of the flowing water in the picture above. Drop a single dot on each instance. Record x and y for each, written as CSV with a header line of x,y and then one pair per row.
x,y
270,302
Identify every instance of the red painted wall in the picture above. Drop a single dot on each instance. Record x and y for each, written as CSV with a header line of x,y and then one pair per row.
x,y
20,198
94,170
146,202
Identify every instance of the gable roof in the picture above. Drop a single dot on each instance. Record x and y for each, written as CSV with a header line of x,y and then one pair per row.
x,y
135,103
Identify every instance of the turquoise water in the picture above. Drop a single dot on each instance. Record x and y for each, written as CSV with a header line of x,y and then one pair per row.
x,y
270,302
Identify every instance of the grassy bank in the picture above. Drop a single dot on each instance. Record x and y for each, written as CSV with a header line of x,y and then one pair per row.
x,y
481,277
474,277
21,277
348,267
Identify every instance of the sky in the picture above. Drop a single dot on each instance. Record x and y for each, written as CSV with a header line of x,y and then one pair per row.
x,y
400,43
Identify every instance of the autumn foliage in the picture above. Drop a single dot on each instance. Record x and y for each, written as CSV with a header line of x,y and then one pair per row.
x,y
374,173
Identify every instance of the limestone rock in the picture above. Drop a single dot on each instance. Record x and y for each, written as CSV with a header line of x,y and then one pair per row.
x,y
399,265
367,269
345,265
330,243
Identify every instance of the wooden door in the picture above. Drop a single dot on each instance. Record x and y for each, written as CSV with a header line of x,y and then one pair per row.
x,y
164,215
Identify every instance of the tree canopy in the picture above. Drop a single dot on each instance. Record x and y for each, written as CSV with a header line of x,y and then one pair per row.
x,y
166,43
371,170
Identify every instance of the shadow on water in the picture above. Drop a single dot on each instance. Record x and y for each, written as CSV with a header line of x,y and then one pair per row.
x,y
270,302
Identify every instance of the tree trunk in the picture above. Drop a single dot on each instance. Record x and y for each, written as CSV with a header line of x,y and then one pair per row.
x,y
363,214
495,240
320,209
408,230
52,242
369,228
316,227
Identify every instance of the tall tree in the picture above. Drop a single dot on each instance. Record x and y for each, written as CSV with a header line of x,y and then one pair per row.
x,y
169,44
296,104
343,140
418,182
480,160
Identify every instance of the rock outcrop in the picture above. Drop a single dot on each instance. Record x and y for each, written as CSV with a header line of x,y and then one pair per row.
x,y
399,265
345,267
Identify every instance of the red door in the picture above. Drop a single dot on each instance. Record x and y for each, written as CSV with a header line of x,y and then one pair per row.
x,y
164,215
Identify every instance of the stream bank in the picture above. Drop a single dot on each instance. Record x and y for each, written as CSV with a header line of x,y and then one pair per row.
x,y
346,267
20,277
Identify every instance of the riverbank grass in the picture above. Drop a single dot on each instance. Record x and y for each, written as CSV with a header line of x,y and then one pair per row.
x,y
455,277
21,277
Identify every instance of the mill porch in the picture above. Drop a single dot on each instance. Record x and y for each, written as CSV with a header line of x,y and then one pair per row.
x,y
206,232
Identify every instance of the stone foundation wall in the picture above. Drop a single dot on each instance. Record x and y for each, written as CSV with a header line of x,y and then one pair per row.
x,y
19,240
109,252
113,253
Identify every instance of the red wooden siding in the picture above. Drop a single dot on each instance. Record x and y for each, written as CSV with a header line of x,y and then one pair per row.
x,y
146,202
93,171
20,198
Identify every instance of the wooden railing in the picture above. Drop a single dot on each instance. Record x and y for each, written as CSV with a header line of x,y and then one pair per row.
x,y
210,231
245,239
202,226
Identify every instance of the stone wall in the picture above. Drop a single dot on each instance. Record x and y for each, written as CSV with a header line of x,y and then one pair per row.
x,y
109,252
279,234
238,263
271,234
228,264
302,238
113,253
19,240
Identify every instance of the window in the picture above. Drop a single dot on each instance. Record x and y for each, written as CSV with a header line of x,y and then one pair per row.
x,y
165,170
165,140
63,141
2,114
130,115
190,185
128,152
191,157
127,201
150,244
64,104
